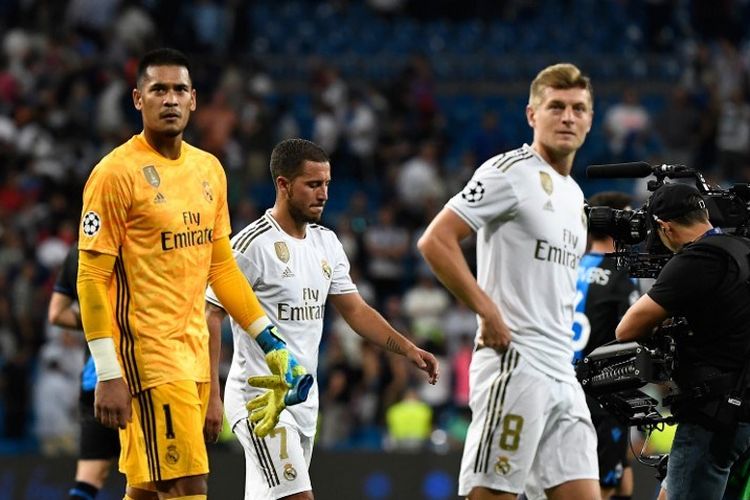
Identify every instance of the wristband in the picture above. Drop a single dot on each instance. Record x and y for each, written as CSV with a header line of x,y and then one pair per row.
x,y
257,326
105,358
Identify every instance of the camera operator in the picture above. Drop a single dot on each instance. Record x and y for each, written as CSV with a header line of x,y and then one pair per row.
x,y
707,286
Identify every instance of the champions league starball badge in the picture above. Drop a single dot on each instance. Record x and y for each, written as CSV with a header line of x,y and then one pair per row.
x,y
91,223
473,192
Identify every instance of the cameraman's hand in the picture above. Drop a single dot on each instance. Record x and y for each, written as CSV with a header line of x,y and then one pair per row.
x,y
493,332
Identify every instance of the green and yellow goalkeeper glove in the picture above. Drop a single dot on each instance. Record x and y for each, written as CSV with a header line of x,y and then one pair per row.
x,y
288,384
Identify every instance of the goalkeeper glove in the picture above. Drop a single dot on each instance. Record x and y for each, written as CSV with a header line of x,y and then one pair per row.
x,y
288,384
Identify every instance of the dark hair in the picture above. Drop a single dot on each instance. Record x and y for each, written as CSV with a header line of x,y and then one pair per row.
x,y
289,155
611,199
161,57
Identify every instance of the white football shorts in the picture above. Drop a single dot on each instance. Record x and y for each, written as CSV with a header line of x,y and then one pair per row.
x,y
276,465
528,430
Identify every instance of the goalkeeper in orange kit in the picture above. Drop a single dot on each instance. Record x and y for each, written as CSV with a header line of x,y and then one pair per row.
x,y
154,232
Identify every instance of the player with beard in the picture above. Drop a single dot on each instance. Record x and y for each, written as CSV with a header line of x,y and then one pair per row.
x,y
295,265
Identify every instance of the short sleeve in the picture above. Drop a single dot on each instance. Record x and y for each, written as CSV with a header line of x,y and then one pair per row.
x,y
107,198
685,280
487,197
341,281
222,225
66,279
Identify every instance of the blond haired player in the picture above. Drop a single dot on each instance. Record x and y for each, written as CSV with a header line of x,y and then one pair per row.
x,y
527,406
154,232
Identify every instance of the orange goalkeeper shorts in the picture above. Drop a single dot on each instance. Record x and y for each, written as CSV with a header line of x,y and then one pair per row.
x,y
165,439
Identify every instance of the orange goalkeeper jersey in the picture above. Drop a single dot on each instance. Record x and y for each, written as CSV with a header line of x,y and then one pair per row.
x,y
158,217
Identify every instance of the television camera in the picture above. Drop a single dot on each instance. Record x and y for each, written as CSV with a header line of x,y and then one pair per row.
x,y
615,374
638,249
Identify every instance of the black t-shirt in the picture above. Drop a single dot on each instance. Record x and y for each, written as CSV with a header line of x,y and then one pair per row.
x,y
704,286
66,280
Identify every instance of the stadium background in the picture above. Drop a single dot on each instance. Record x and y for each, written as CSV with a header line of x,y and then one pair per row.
x,y
408,97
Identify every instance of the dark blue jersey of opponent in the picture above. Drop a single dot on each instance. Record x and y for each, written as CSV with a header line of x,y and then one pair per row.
x,y
66,285
603,295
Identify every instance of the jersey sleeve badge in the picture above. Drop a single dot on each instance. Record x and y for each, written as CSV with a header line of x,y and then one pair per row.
x,y
473,192
91,223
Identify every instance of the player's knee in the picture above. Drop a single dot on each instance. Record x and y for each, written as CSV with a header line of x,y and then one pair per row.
x,y
304,495
102,470
183,486
140,493
94,472
481,493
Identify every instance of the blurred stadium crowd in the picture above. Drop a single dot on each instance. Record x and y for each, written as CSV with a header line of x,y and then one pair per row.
x,y
407,96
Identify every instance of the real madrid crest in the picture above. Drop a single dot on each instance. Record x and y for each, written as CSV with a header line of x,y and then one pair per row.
x,y
282,251
207,193
290,474
172,456
502,466
151,175
546,180
327,272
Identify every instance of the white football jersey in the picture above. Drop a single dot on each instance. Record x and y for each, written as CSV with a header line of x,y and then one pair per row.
x,y
292,278
531,233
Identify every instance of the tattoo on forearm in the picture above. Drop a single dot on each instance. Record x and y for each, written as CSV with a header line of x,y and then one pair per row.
x,y
393,346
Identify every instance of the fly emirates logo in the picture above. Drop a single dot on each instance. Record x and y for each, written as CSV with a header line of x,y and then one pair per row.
x,y
193,235
564,256
308,309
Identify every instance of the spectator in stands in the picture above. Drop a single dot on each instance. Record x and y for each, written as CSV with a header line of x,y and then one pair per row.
x,y
733,138
361,131
216,122
409,422
420,181
624,122
489,139
336,416
326,129
678,126
56,394
387,245
425,304
460,370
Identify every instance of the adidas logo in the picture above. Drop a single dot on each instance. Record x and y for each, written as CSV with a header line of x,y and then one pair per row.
x,y
548,206
159,198
287,273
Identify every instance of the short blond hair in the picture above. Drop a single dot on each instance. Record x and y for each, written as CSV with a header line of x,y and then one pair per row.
x,y
559,76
